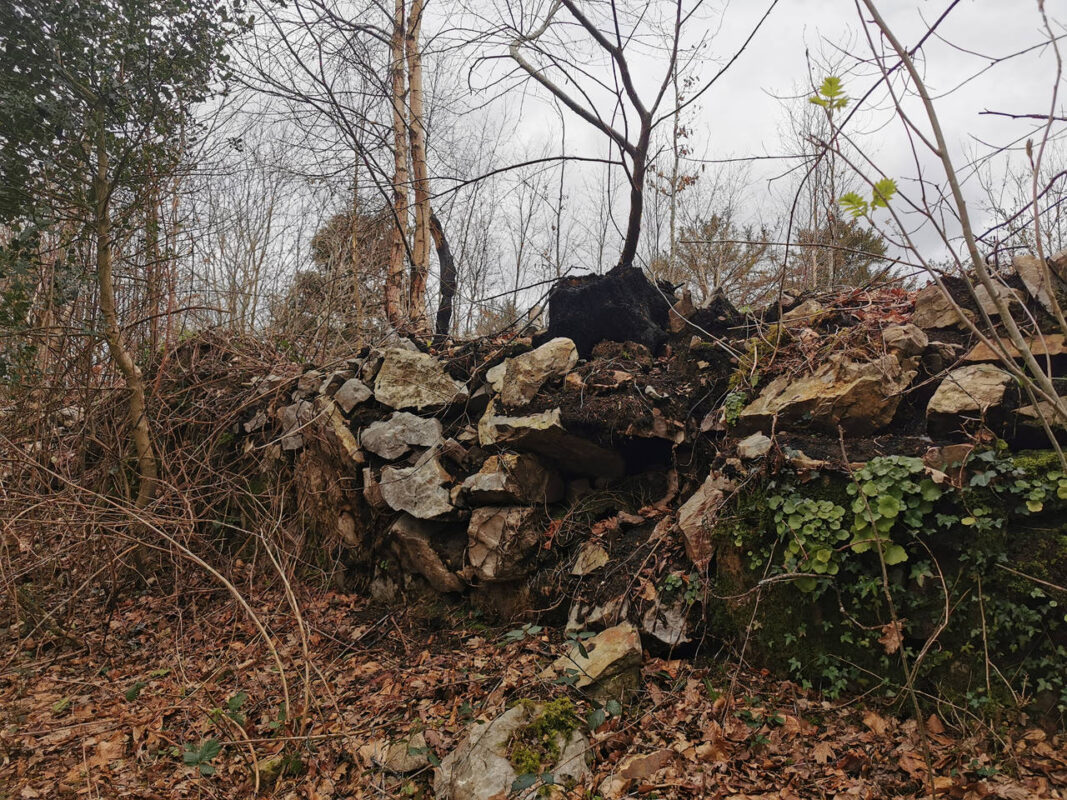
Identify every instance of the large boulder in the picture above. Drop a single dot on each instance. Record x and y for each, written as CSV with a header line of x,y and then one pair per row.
x,y
480,767
860,396
696,517
972,390
622,305
543,433
412,540
394,437
502,540
415,380
421,490
607,665
524,375
513,479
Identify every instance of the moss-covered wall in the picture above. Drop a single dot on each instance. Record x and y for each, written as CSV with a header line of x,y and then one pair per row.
x,y
994,549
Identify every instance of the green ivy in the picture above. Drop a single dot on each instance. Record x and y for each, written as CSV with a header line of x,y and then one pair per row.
x,y
810,532
890,493
986,541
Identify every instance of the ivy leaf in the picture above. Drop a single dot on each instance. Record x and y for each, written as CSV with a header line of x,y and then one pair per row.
x,y
524,781
888,506
895,554
596,718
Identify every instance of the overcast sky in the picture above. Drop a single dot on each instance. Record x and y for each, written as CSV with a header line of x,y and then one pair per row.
x,y
744,113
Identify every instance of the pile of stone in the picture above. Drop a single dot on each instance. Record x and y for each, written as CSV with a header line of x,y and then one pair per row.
x,y
464,478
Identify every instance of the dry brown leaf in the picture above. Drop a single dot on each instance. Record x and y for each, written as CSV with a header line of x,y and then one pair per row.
x,y
822,752
892,636
914,765
876,723
933,724
641,767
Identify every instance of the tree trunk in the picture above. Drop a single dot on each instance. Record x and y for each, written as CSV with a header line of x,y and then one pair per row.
x,y
394,281
147,469
153,268
420,266
448,276
637,199
353,255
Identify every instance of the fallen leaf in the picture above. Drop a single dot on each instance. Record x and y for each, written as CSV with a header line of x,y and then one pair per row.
x,y
875,723
892,636
822,752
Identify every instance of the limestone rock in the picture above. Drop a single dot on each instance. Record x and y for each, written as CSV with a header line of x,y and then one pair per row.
x,y
806,314
479,768
907,340
1039,279
524,375
256,423
420,490
400,757
502,540
372,491
610,666
752,447
667,623
985,299
292,419
975,388
394,437
680,313
513,479
411,540
334,381
415,380
1049,344
337,429
861,397
590,558
543,433
697,516
309,382
369,366
1029,416
933,309
348,530
352,393
494,376
585,615
1058,264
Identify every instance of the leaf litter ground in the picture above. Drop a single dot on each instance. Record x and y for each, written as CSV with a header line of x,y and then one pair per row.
x,y
178,697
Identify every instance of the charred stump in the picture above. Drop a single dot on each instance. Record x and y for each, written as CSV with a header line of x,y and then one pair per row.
x,y
621,306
